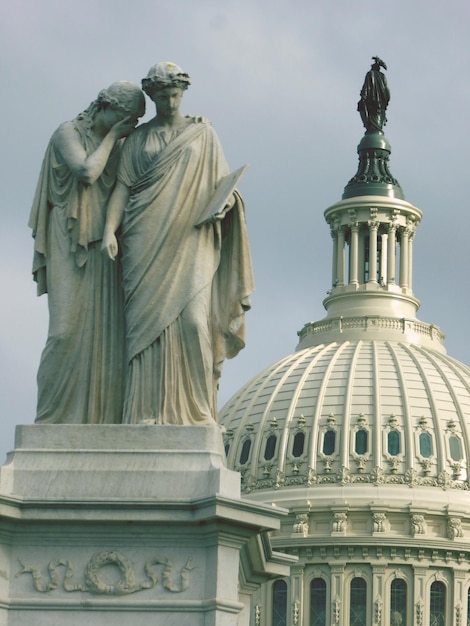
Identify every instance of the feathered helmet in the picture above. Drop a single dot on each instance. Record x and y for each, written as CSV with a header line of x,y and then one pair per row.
x,y
163,75
378,61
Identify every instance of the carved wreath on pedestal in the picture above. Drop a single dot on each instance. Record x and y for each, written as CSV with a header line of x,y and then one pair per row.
x,y
94,583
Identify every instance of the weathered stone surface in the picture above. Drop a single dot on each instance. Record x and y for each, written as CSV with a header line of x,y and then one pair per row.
x,y
114,524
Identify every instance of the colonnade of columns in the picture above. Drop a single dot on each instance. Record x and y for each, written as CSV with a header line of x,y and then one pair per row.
x,y
381,253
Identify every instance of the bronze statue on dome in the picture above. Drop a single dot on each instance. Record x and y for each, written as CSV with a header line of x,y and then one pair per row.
x,y
375,96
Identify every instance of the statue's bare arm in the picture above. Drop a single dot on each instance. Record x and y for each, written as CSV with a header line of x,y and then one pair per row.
x,y
88,168
117,204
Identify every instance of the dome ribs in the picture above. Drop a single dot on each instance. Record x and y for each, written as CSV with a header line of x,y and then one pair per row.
x,y
431,387
410,402
347,403
403,397
446,367
319,407
376,418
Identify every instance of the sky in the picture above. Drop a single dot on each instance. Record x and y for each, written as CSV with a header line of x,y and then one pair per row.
x,y
280,81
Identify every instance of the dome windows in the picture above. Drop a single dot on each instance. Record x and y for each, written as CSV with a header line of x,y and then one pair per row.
x,y
298,444
270,447
455,451
361,442
329,441
455,448
298,439
246,445
245,452
425,445
393,443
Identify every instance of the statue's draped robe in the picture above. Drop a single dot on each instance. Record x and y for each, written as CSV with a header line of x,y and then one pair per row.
x,y
80,375
186,288
375,97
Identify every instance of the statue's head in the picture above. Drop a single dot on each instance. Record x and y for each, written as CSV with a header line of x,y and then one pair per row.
x,y
165,75
123,96
378,63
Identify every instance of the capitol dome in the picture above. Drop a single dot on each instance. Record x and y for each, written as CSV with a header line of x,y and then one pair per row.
x,y
353,412
363,433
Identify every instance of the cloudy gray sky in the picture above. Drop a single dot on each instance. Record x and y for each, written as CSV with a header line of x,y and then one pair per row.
x,y
280,81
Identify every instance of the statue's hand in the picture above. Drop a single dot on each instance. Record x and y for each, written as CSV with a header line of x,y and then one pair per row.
x,y
218,217
124,127
110,245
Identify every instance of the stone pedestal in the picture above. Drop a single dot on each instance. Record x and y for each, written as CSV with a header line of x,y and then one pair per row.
x,y
124,525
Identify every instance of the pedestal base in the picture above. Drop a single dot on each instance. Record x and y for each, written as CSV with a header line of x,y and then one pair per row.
x,y
108,524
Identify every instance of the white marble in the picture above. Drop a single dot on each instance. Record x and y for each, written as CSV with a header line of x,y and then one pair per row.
x,y
187,278
112,524
80,376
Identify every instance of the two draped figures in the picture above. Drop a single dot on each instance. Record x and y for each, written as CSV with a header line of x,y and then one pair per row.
x,y
145,261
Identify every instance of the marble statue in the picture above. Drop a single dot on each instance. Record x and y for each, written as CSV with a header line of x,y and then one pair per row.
x,y
375,96
81,369
186,283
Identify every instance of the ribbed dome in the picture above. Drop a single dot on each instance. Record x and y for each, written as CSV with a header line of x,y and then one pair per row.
x,y
353,413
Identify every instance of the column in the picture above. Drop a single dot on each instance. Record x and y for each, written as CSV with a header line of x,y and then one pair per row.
x,y
338,615
340,256
354,254
420,600
378,573
459,601
410,264
404,257
384,260
373,228
334,272
296,591
392,245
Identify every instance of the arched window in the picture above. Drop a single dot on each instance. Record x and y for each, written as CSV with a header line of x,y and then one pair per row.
x,y
270,447
398,603
280,603
227,449
393,443
245,453
299,442
361,442
425,445
437,604
329,440
357,607
318,602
